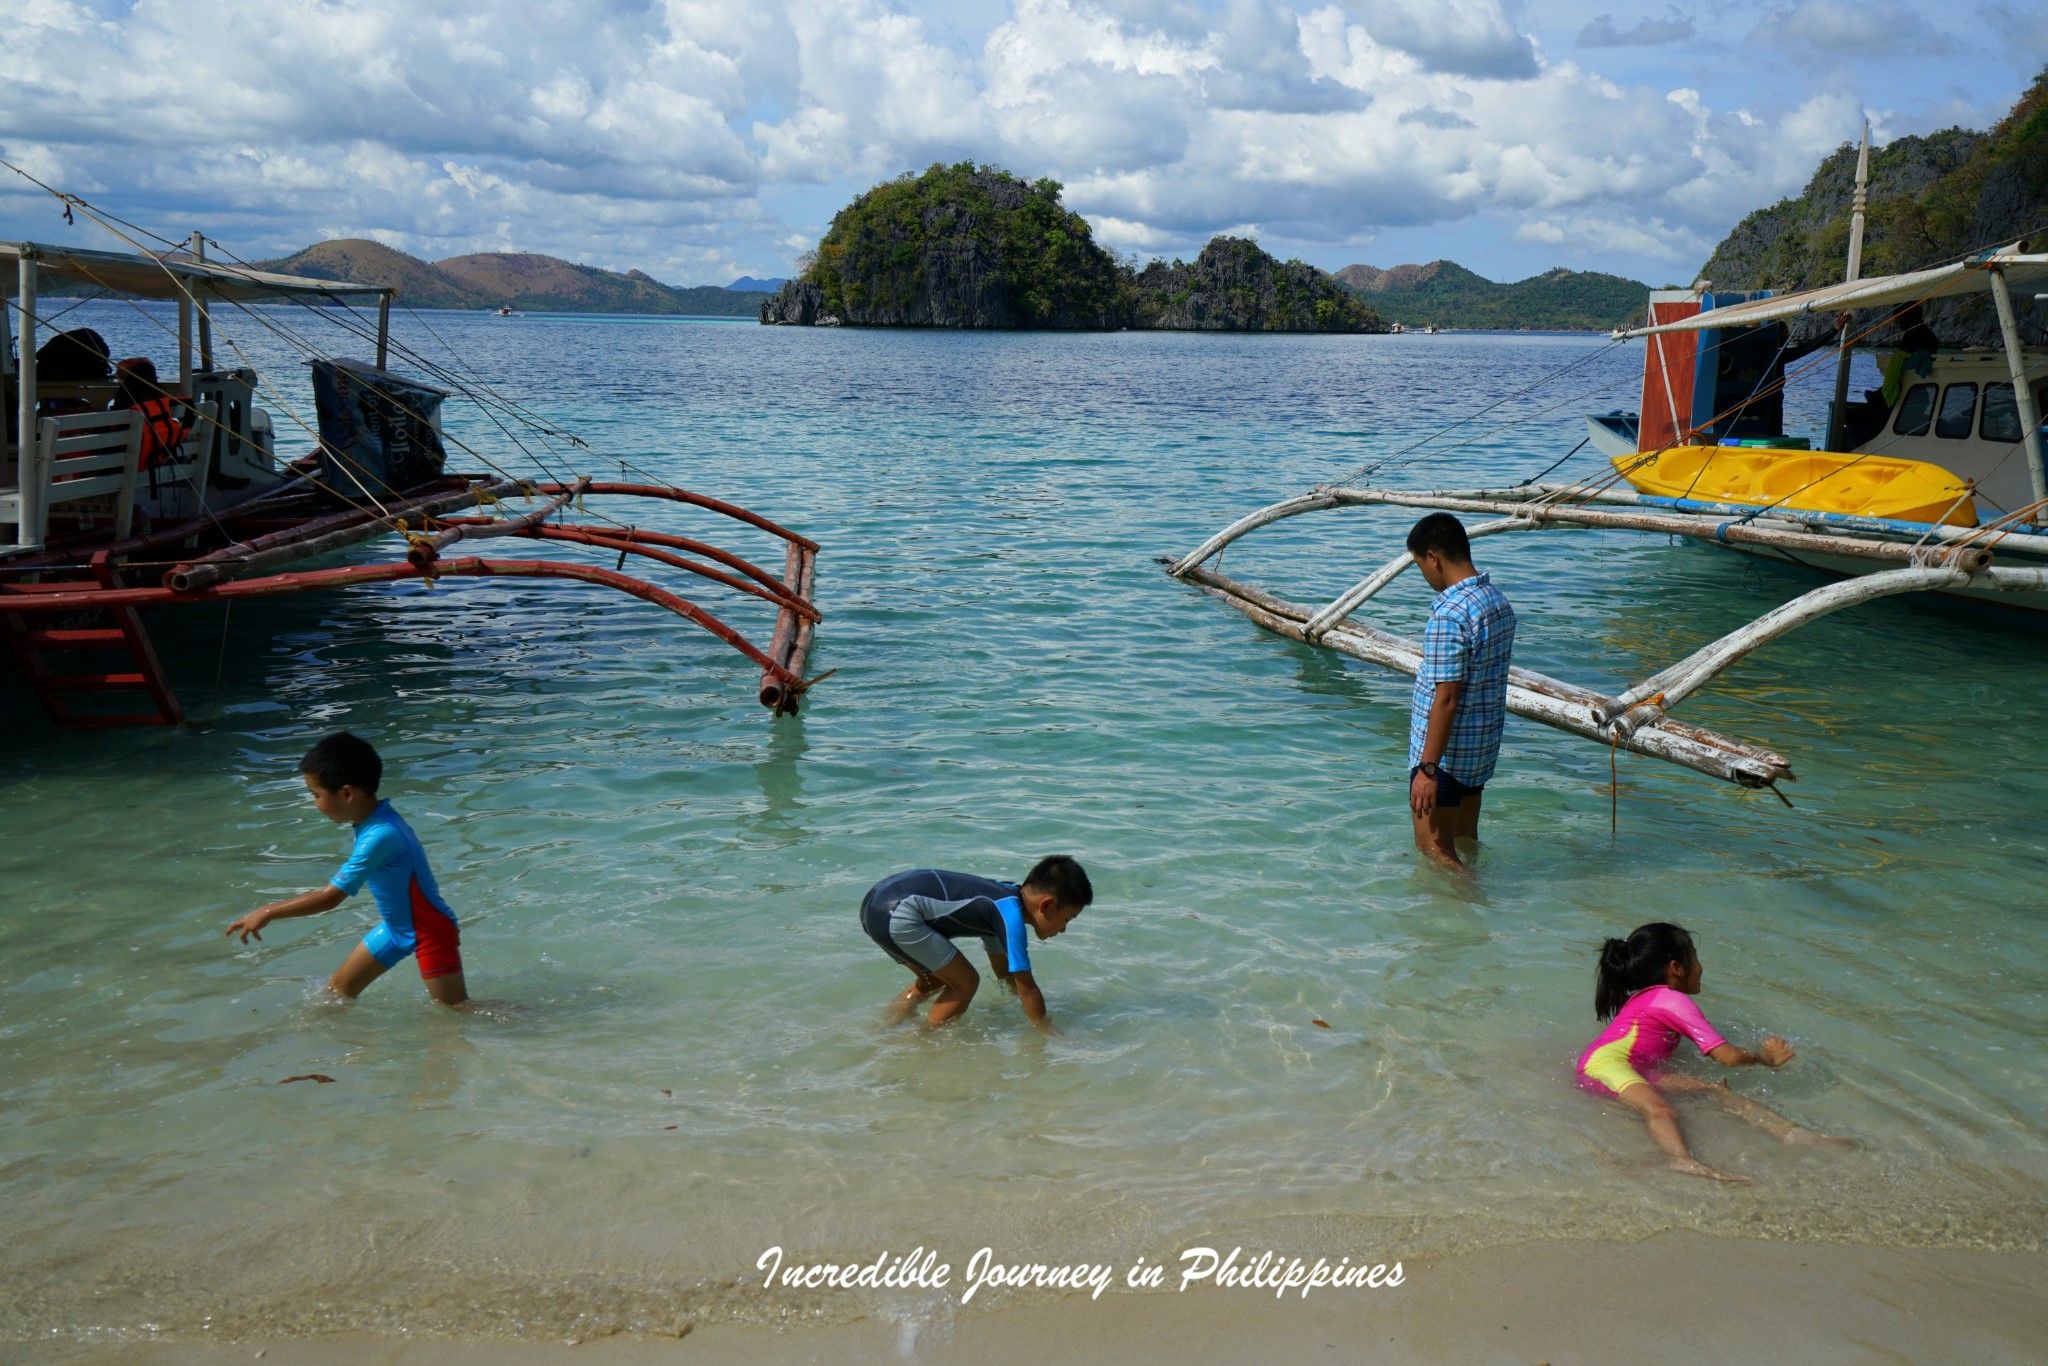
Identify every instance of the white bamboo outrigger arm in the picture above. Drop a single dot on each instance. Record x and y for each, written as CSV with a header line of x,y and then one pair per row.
x,y
1649,700
1355,597
1553,702
1738,528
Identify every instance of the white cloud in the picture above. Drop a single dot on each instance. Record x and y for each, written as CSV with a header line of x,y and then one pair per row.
x,y
1850,28
1461,37
1603,31
659,133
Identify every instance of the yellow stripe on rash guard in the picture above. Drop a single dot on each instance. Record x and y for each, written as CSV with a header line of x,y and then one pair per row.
x,y
1608,1064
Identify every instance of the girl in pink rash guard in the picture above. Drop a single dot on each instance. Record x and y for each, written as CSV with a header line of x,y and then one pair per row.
x,y
1643,988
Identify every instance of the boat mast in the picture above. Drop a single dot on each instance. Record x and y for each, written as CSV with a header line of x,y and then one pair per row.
x,y
1838,432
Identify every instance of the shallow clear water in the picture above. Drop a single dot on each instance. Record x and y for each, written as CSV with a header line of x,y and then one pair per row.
x,y
657,881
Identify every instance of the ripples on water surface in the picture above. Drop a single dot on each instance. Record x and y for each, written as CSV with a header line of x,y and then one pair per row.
x,y
659,882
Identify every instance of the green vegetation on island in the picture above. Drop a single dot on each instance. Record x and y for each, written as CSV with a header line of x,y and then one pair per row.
x,y
520,280
964,246
1235,287
1448,295
974,246
1932,199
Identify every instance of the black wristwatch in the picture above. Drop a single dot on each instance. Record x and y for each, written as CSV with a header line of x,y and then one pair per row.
x,y
1429,770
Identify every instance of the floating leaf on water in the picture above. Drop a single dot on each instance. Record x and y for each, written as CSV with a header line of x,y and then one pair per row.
x,y
1320,1024
666,1092
307,1076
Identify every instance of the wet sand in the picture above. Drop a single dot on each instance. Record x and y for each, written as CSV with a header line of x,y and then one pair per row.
x,y
1676,1297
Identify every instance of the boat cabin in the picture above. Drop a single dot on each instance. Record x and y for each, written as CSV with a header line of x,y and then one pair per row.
x,y
1963,417
90,460
1958,441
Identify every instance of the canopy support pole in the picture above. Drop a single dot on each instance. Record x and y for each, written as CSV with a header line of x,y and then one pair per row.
x,y
205,316
184,343
2022,395
383,329
26,445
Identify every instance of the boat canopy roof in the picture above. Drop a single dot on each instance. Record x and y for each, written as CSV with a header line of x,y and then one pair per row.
x,y
1972,276
143,276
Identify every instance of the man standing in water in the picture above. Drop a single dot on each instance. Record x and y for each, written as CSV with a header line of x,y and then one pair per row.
x,y
1461,690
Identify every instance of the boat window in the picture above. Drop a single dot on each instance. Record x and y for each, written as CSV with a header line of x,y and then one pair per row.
x,y
1958,407
2001,420
1915,411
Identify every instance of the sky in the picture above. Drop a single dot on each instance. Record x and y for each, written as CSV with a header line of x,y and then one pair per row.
x,y
700,140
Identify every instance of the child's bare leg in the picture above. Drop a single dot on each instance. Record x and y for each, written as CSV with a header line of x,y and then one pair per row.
x,y
959,979
1750,1112
1662,1122
900,1008
357,971
449,989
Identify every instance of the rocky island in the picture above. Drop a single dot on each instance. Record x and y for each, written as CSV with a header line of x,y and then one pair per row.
x,y
974,246
1932,199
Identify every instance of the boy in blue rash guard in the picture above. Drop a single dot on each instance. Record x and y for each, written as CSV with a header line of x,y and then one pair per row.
x,y
342,773
915,916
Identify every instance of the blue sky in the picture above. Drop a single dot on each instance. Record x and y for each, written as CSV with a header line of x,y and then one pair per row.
x,y
703,139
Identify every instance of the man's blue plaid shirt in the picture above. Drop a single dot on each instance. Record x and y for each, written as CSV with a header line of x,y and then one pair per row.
x,y
1471,634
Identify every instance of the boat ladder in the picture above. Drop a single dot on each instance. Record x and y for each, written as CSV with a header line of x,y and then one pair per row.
x,y
118,660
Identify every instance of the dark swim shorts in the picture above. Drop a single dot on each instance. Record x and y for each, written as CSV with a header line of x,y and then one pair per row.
x,y
1449,791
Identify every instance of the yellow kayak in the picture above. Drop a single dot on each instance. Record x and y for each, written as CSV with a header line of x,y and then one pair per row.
x,y
1810,481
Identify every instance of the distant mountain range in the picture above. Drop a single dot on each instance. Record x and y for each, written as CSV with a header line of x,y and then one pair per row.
x,y
748,282
520,280
1448,295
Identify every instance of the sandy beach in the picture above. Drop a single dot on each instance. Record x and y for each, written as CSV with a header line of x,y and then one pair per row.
x,y
1675,1297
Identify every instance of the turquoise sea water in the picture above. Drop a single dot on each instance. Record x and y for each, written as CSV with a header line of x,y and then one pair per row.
x,y
683,1063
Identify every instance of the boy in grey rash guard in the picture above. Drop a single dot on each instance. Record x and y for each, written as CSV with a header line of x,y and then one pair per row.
x,y
915,916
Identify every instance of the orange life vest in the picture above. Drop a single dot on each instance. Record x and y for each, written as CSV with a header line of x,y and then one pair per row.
x,y
162,432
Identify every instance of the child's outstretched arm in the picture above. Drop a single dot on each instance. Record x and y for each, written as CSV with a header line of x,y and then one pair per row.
x,y
305,903
1032,999
1776,1053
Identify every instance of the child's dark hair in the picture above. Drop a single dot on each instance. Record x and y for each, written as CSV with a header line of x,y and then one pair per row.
x,y
1060,875
343,760
1628,965
1442,533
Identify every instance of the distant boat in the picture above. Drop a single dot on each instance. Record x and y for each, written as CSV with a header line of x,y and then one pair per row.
x,y
1397,329
506,312
1431,329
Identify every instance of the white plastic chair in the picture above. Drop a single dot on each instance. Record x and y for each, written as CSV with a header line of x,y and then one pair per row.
x,y
77,456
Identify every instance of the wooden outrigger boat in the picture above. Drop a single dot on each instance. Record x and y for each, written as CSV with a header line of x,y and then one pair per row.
x,y
1973,522
88,535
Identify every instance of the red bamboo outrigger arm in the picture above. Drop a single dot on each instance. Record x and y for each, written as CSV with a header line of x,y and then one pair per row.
x,y
64,597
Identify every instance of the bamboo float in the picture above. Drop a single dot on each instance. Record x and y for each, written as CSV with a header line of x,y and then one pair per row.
x,y
785,627
791,644
1538,697
800,653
